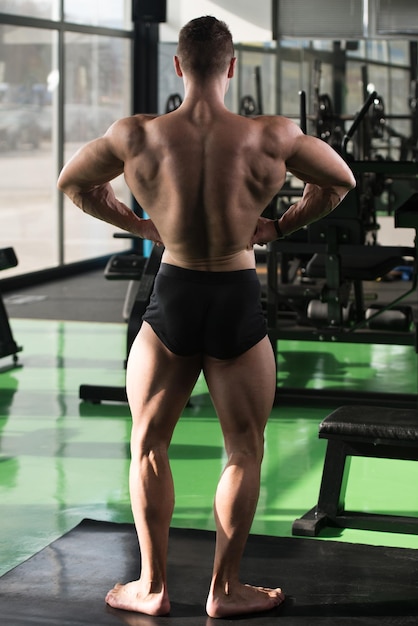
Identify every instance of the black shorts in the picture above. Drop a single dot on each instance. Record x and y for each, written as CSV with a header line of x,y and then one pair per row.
x,y
214,313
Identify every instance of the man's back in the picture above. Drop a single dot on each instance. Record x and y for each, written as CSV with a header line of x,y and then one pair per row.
x,y
204,175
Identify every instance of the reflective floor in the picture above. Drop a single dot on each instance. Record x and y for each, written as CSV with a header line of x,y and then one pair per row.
x,y
62,460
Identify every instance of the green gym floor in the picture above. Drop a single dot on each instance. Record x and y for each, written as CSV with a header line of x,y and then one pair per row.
x,y
62,460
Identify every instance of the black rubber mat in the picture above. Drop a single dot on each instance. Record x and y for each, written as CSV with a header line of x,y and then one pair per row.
x,y
326,582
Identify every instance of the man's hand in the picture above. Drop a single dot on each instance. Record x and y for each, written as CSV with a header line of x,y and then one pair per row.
x,y
149,231
264,232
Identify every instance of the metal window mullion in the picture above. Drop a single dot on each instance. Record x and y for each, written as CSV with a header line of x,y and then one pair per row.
x,y
61,143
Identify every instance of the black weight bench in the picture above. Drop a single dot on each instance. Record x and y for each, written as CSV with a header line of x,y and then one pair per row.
x,y
8,346
367,431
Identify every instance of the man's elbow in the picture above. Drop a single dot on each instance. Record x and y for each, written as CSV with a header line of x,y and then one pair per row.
x,y
349,181
63,184
68,189
345,185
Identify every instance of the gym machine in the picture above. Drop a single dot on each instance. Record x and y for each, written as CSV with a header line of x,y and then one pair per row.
x,y
141,272
8,346
323,267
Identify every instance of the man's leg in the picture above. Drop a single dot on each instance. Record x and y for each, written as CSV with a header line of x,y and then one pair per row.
x,y
159,385
242,391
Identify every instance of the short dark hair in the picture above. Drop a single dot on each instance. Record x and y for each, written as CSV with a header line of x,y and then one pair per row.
x,y
205,47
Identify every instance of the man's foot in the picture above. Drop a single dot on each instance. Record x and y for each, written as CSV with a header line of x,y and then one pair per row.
x,y
135,597
241,600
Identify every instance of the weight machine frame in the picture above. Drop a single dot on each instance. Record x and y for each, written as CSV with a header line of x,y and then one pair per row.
x,y
99,393
334,249
334,331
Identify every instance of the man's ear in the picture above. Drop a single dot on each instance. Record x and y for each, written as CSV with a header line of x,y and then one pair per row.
x,y
231,69
177,67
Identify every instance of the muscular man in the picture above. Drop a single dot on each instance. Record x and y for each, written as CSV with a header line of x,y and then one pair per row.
x,y
204,175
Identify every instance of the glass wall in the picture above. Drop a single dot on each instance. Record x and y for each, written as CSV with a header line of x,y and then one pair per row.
x,y
48,9
257,76
44,121
28,200
107,13
97,92
169,83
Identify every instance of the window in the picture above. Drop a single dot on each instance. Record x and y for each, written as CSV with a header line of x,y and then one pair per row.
x,y
111,13
28,221
39,130
97,88
47,9
257,77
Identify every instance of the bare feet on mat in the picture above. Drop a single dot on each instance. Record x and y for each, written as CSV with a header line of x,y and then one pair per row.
x,y
135,596
241,600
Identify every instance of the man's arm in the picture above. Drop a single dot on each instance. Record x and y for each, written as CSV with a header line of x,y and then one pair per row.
x,y
327,179
85,179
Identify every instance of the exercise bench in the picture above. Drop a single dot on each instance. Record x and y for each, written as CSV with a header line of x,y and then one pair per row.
x,y
8,345
363,431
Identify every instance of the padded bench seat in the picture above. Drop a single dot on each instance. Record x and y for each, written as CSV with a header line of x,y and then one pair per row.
x,y
367,431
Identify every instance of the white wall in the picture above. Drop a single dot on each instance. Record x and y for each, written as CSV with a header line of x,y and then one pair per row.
x,y
249,20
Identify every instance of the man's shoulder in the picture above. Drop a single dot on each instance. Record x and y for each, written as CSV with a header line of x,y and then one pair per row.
x,y
276,122
131,130
279,134
134,121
